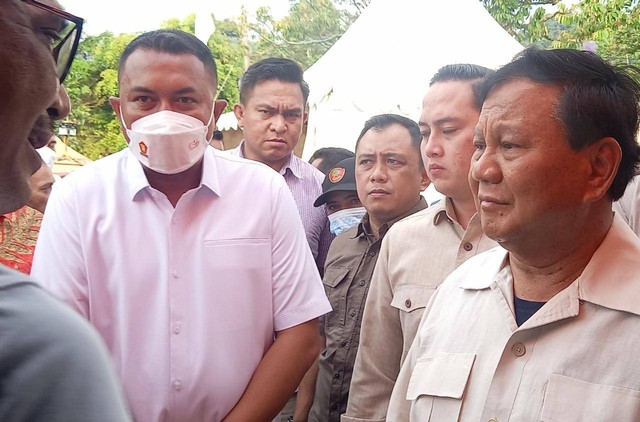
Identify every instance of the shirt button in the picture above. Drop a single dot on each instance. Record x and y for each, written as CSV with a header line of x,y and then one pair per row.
x,y
518,349
176,329
353,313
468,246
372,253
492,420
175,274
177,385
336,375
362,282
407,303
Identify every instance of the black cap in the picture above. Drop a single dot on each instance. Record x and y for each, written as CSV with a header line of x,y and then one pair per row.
x,y
342,177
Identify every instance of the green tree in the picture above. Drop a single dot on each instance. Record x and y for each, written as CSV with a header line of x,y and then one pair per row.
x,y
92,80
523,19
310,29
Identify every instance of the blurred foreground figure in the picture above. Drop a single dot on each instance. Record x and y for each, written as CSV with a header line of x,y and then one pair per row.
x,y
53,366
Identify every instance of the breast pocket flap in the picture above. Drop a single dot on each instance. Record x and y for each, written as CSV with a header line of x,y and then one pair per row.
x,y
409,298
441,375
333,276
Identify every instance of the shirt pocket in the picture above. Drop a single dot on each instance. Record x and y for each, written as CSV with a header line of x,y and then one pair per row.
x,y
437,386
336,287
570,399
411,300
236,281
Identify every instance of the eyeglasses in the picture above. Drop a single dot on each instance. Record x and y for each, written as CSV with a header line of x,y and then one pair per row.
x,y
65,43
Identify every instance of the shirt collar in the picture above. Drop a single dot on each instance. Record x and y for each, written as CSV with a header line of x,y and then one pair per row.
x,y
446,212
610,279
137,180
293,165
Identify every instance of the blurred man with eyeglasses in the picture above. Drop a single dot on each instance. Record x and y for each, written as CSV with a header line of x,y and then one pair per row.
x,y
52,364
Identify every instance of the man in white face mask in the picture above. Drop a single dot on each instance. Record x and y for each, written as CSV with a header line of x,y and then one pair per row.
x,y
188,261
388,176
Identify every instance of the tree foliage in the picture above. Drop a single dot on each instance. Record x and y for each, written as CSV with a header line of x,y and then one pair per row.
x,y
310,29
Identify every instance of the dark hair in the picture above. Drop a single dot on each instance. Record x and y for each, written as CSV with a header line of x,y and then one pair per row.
x,y
217,135
463,72
330,157
270,69
598,100
383,121
171,41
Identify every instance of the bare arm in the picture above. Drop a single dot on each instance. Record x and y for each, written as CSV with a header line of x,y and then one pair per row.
x,y
307,391
278,374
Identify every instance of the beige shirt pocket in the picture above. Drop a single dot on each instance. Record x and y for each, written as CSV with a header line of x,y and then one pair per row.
x,y
411,300
571,400
437,386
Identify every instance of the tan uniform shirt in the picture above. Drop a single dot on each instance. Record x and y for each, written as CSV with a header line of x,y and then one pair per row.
x,y
575,359
350,263
416,256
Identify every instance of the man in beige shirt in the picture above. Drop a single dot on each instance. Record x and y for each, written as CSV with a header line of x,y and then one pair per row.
x,y
544,329
420,251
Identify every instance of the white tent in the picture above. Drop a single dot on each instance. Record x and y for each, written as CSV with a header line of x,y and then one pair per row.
x,y
384,62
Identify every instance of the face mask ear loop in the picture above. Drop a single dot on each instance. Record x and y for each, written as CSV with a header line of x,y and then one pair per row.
x,y
122,118
213,108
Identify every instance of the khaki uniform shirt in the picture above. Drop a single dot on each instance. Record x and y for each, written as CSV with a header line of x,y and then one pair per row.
x,y
416,256
350,263
575,359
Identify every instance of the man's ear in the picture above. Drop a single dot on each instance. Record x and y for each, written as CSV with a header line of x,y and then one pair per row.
x,y
425,182
115,105
218,108
305,117
604,159
238,110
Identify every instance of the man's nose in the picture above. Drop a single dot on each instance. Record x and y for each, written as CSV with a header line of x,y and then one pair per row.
x,y
60,107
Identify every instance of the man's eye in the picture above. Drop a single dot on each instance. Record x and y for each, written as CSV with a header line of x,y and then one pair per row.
x,y
479,146
52,37
186,100
448,131
508,145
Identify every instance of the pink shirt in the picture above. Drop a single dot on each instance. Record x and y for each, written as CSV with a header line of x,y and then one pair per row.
x,y
305,183
187,299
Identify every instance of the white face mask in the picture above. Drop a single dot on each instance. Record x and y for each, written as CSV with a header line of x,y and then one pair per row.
x,y
168,142
343,220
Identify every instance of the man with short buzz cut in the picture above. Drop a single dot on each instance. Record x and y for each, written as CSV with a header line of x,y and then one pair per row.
x,y
420,251
543,327
271,113
389,177
191,263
